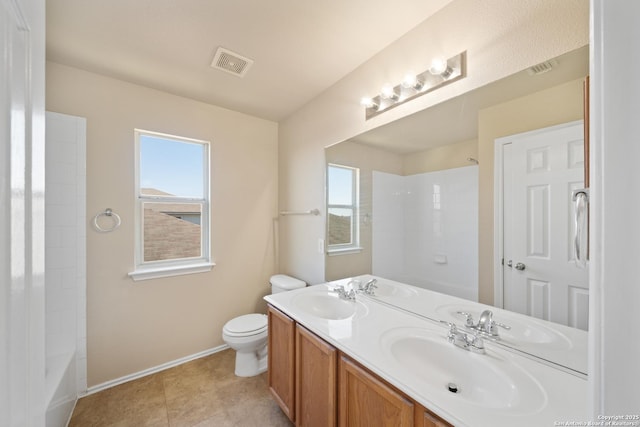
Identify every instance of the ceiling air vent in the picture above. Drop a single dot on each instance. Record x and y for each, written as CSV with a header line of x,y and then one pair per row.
x,y
542,67
231,62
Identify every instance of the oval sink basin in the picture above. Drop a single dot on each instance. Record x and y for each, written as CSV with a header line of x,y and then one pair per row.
x,y
326,305
486,380
386,289
531,331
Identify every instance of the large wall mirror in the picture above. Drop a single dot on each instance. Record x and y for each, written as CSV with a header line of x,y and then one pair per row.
x,y
426,204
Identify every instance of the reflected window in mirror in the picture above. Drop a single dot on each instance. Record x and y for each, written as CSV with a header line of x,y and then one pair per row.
x,y
342,209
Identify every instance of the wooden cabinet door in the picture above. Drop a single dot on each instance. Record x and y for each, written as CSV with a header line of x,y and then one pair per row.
x,y
365,400
316,374
281,360
424,418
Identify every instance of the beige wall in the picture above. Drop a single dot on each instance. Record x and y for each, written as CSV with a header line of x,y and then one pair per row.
x,y
367,159
500,38
440,158
549,107
132,326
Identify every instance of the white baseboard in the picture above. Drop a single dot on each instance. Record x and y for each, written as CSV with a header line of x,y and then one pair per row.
x,y
155,369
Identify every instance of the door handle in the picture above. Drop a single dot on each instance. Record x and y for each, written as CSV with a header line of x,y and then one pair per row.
x,y
580,242
520,266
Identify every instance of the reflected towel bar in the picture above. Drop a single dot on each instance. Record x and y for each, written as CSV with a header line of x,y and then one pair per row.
x,y
311,212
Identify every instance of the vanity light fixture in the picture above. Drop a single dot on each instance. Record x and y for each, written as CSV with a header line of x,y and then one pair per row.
x,y
440,73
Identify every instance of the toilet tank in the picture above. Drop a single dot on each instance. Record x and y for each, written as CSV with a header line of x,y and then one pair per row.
x,y
282,283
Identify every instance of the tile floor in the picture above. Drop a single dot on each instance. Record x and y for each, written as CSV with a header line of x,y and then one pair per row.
x,y
202,393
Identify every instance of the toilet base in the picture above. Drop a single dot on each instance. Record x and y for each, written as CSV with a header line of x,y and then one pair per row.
x,y
252,363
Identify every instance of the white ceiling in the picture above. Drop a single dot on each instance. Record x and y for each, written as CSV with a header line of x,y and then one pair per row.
x,y
300,47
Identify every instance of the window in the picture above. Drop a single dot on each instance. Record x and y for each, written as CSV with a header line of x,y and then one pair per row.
x,y
342,209
172,205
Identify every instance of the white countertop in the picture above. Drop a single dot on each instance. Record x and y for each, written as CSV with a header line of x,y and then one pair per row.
x,y
557,344
563,395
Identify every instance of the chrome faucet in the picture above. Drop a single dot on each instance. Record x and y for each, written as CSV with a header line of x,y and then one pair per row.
x,y
470,342
368,287
349,295
469,319
485,321
486,325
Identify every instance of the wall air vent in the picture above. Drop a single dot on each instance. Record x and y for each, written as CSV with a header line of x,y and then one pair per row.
x,y
542,67
231,62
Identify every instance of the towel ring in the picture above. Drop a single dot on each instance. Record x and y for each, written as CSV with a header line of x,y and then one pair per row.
x,y
111,214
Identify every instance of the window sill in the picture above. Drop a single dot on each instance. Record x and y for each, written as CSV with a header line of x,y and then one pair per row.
x,y
345,251
159,272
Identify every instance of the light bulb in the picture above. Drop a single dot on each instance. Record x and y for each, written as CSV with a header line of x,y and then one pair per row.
x,y
411,81
388,92
368,103
438,66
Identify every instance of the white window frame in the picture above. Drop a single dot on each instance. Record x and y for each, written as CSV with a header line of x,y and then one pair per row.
x,y
354,246
145,270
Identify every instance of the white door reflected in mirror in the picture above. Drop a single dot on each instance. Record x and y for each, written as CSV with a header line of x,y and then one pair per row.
x,y
540,171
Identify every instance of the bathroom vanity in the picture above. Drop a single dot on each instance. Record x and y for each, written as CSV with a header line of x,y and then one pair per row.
x,y
336,360
316,384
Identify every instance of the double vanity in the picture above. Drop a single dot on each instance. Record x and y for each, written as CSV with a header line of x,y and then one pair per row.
x,y
371,351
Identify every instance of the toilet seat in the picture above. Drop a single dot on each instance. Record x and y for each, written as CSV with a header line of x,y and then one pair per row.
x,y
246,325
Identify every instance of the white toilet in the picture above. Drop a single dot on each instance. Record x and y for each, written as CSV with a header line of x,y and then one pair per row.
x,y
247,334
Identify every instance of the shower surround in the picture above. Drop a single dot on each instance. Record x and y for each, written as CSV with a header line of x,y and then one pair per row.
x,y
425,230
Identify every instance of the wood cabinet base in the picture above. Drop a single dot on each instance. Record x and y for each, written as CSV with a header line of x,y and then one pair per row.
x,y
316,385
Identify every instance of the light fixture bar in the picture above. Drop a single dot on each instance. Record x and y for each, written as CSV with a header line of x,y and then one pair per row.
x,y
436,77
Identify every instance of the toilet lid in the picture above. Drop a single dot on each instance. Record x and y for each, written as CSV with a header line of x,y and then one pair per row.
x,y
248,324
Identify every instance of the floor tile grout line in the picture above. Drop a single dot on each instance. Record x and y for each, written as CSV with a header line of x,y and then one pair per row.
x,y
166,404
